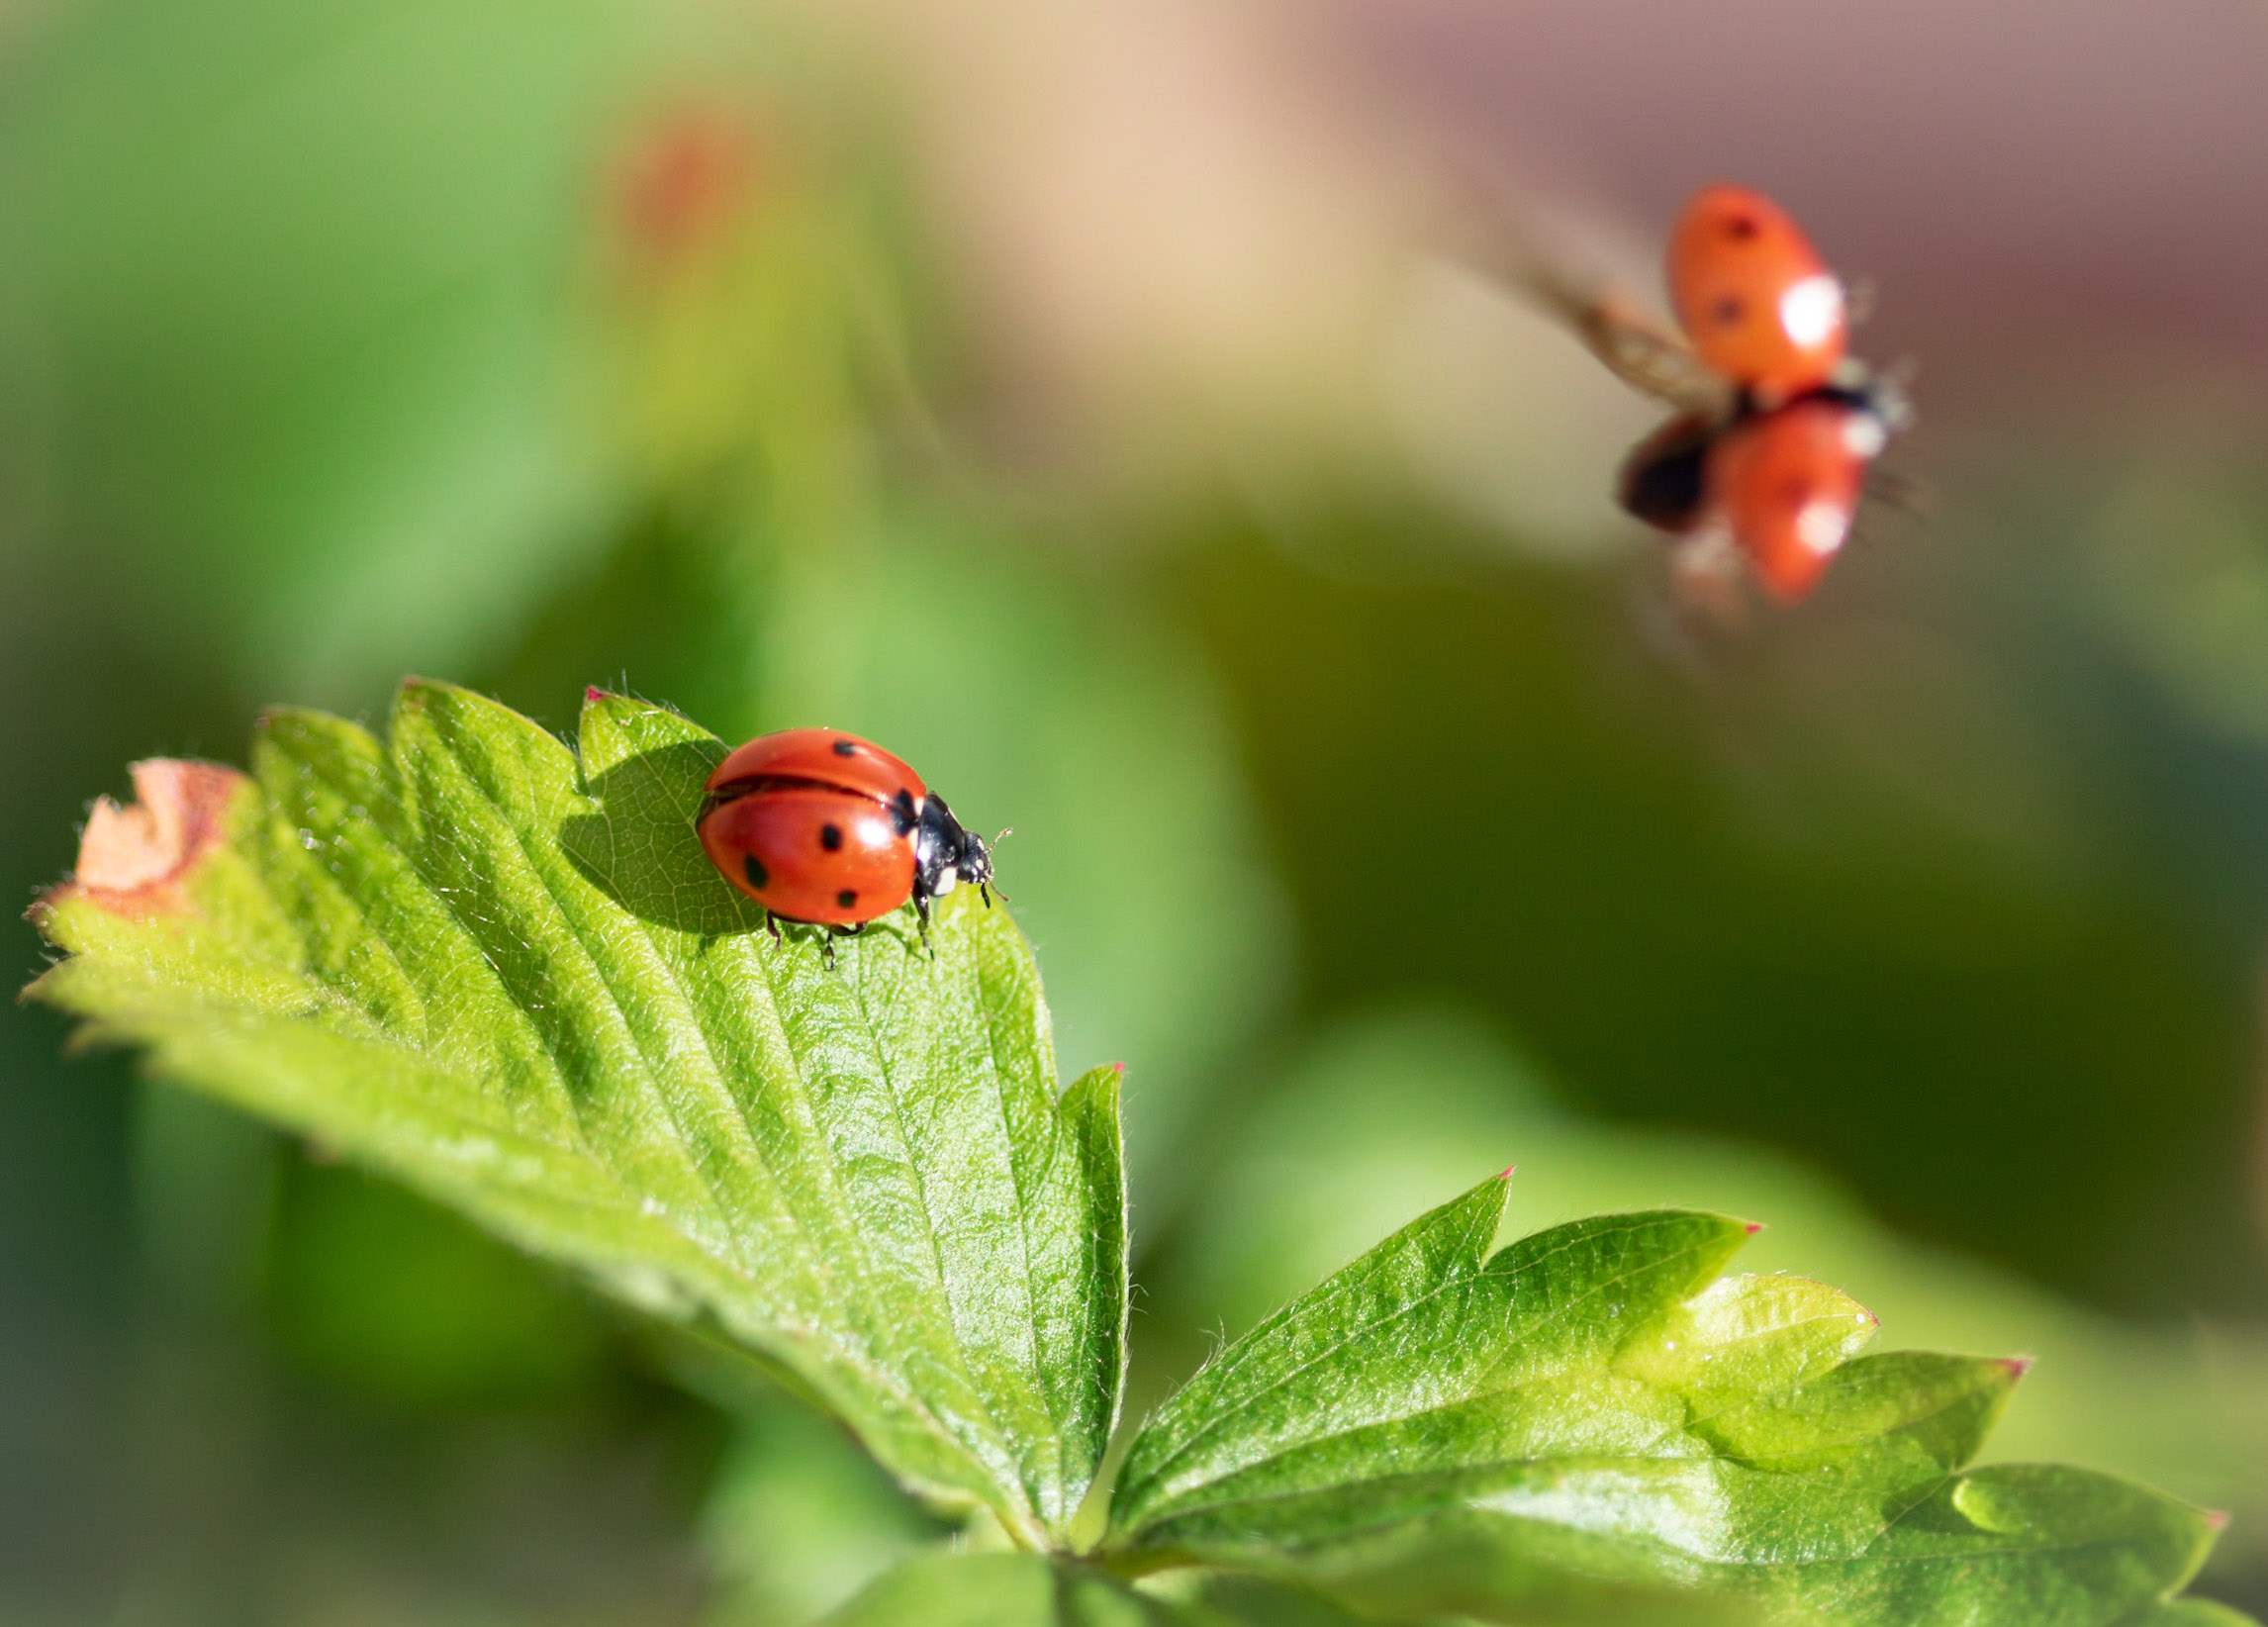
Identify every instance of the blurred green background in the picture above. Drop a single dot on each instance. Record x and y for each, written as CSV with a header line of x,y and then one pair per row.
x,y
1068,398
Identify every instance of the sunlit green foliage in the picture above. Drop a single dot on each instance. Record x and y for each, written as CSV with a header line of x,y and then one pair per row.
x,y
513,978
503,972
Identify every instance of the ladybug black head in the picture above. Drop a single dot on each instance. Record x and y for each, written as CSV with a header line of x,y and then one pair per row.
x,y
1663,480
945,854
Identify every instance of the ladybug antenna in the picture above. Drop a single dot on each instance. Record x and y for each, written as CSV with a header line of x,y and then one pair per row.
x,y
986,887
1892,392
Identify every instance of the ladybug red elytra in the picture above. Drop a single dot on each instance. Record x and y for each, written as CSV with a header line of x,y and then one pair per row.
x,y
825,828
1778,475
1758,303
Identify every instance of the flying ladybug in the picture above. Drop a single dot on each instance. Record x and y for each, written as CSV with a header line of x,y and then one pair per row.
x,y
1772,470
824,828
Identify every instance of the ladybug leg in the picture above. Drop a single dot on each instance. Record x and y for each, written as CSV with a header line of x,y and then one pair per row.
x,y
1901,492
828,949
985,891
772,926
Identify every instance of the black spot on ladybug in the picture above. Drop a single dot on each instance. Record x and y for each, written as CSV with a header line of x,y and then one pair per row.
x,y
1740,226
846,897
831,837
753,868
1729,309
902,815
846,748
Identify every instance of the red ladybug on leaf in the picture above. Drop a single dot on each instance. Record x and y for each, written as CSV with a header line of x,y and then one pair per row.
x,y
825,828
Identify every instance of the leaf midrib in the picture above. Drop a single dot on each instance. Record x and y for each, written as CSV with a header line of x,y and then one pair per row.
x,y
997,1079
920,1183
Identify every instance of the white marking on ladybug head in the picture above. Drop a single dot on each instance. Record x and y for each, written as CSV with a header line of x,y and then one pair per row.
x,y
947,879
1812,310
1864,436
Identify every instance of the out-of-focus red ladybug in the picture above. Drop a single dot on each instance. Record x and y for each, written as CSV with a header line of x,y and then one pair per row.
x,y
686,179
1778,476
823,827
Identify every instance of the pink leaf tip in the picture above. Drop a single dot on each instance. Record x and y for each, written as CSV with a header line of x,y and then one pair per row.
x,y
134,860
1507,1175
2018,1365
591,692
1752,1226
2217,1519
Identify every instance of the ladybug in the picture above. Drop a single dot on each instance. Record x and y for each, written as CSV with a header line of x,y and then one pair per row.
x,y
1779,474
825,828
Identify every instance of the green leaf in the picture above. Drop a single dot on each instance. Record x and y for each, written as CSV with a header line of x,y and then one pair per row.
x,y
1009,1591
1426,1355
1491,1435
1439,1587
1333,1160
2022,1545
2189,1612
511,979
1032,1590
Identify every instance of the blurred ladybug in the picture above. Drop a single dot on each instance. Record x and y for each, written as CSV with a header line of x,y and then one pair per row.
x,y
1775,477
825,828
